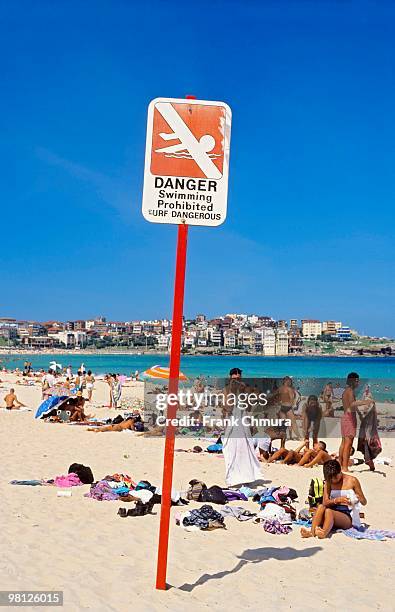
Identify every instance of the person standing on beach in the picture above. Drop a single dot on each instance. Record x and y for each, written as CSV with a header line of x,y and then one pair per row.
x,y
89,383
116,390
287,396
47,383
311,415
327,396
78,381
348,421
241,463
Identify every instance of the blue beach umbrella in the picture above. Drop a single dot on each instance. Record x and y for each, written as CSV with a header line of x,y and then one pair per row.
x,y
46,406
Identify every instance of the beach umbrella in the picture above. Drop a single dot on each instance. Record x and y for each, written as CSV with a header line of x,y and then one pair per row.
x,y
47,405
160,373
55,366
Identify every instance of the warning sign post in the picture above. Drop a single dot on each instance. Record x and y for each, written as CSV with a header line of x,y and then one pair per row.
x,y
185,183
187,162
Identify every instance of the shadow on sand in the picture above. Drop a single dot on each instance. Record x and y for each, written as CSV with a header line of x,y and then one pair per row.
x,y
254,555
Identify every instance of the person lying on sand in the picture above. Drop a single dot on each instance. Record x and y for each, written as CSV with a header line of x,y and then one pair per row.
x,y
12,402
288,457
322,456
126,424
335,511
317,455
265,449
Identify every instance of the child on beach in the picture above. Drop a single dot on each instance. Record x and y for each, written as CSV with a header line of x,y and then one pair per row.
x,y
311,415
339,509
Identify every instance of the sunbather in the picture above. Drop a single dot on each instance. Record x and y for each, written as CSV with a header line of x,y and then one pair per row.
x,y
287,456
336,512
126,424
12,402
317,455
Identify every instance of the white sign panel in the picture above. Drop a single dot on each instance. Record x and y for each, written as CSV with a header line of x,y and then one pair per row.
x,y
187,162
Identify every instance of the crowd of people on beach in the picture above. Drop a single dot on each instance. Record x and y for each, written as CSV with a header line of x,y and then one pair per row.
x,y
342,491
244,447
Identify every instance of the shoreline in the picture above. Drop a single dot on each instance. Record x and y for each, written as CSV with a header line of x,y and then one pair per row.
x,y
100,352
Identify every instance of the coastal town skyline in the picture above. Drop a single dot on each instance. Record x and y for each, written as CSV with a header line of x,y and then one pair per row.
x,y
231,332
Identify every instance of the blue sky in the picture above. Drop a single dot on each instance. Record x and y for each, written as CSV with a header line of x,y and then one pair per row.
x,y
310,221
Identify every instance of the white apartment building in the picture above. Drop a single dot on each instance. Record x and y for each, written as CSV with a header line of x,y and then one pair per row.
x,y
281,342
215,336
269,342
163,341
331,327
70,338
311,328
266,337
230,339
189,341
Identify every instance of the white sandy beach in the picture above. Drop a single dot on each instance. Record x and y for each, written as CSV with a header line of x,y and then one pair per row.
x,y
103,562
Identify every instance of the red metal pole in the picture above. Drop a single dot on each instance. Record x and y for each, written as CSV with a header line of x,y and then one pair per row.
x,y
174,373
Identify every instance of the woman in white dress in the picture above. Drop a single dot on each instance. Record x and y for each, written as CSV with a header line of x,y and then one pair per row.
x,y
241,463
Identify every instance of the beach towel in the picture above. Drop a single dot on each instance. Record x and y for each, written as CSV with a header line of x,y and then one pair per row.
x,y
364,533
275,527
273,512
247,491
234,495
71,480
101,491
13,410
238,512
368,440
28,483
241,463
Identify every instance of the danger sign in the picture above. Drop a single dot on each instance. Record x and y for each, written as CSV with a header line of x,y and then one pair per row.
x,y
186,162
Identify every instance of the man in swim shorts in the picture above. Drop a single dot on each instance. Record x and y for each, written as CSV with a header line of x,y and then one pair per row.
x,y
12,402
349,419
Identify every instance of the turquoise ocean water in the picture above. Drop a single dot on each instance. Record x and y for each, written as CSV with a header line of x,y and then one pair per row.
x,y
379,372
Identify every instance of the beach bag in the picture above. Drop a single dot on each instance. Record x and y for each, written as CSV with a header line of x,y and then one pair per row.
x,y
316,492
83,472
64,415
214,495
139,426
195,490
145,484
118,419
214,448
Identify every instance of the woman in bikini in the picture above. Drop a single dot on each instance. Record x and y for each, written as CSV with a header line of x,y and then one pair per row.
x,y
337,511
